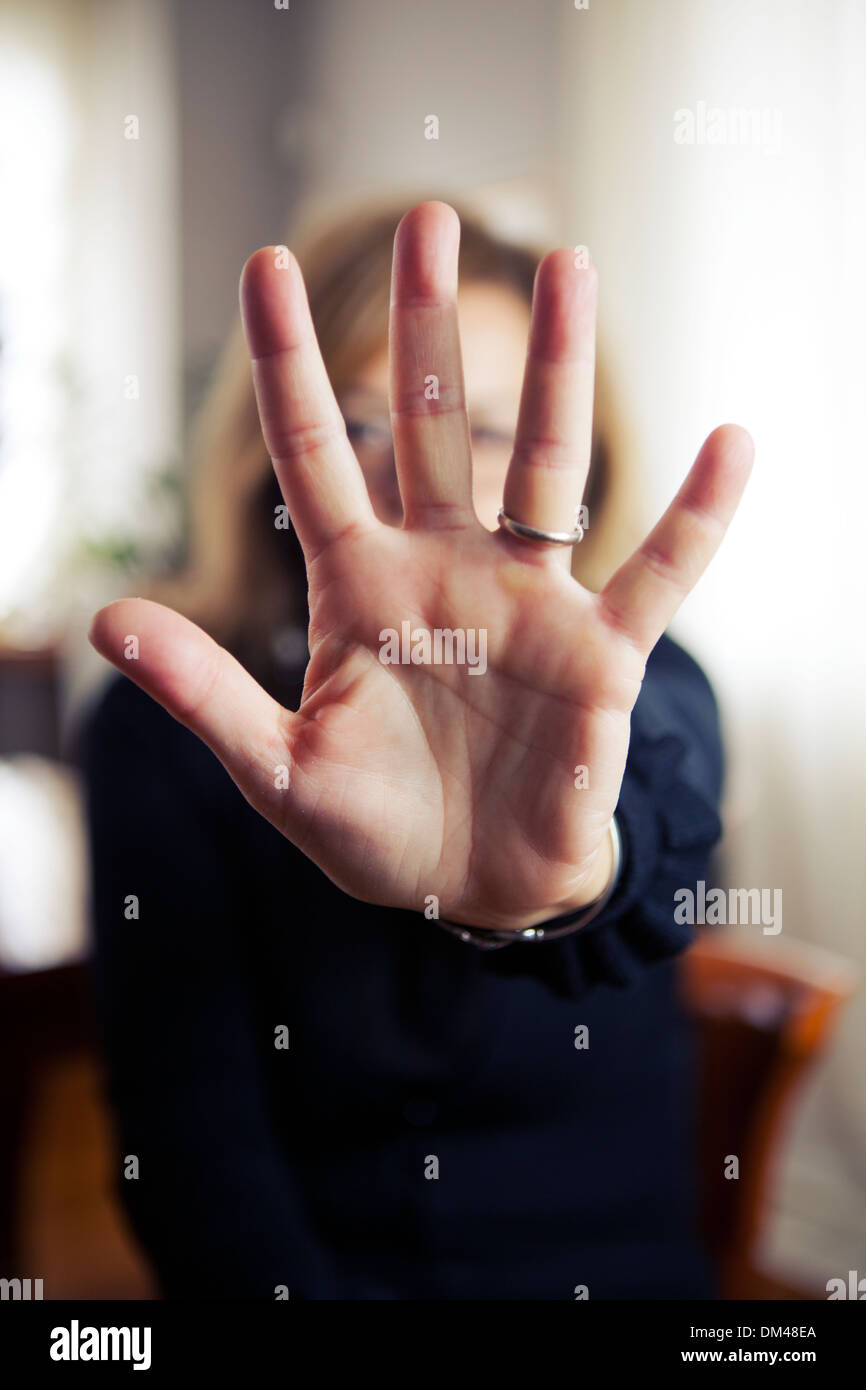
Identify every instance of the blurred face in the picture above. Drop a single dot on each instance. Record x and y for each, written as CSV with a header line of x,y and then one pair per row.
x,y
494,325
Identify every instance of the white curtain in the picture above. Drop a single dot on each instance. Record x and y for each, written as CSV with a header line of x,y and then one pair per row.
x,y
734,288
89,380
89,387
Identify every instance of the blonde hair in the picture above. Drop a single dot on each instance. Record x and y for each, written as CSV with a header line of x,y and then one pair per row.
x,y
234,583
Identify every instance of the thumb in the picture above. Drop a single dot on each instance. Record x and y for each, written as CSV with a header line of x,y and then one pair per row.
x,y
201,685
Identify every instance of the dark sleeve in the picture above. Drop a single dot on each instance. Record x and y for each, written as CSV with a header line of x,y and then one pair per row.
x,y
217,1218
669,822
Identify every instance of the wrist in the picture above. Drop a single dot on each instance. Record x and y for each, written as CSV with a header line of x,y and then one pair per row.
x,y
593,887
563,917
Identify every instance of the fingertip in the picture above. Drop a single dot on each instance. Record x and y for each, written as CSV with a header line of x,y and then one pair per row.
x,y
564,305
738,436
734,446
271,293
430,216
139,626
93,631
426,252
565,272
718,476
264,263
111,625
569,262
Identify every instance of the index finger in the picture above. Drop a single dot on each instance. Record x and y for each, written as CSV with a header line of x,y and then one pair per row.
x,y
319,475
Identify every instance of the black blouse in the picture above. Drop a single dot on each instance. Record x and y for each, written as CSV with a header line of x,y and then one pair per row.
x,y
445,1123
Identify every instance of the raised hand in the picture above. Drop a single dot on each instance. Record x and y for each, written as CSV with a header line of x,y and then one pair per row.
x,y
408,778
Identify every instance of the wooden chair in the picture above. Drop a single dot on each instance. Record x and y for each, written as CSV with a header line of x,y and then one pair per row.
x,y
764,1014
59,1216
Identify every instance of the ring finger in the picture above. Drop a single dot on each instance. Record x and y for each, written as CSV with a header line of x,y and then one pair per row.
x,y
550,461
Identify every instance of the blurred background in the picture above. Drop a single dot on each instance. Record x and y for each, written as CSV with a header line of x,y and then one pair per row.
x,y
712,159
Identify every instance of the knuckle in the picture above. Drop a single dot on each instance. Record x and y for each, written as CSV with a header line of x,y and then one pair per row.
x,y
288,443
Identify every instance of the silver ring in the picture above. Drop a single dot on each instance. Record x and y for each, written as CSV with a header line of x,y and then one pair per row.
x,y
534,533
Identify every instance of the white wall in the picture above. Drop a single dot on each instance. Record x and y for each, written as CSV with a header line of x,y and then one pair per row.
x,y
733,288
283,114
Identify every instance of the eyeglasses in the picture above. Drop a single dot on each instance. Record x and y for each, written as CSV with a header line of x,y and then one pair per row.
x,y
371,437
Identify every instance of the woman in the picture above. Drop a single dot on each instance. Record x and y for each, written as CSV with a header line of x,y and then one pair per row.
x,y
403,1023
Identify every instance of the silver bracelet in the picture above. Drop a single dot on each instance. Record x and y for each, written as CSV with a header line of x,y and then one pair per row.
x,y
491,940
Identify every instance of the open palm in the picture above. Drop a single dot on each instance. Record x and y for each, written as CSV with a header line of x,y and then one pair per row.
x,y
458,679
